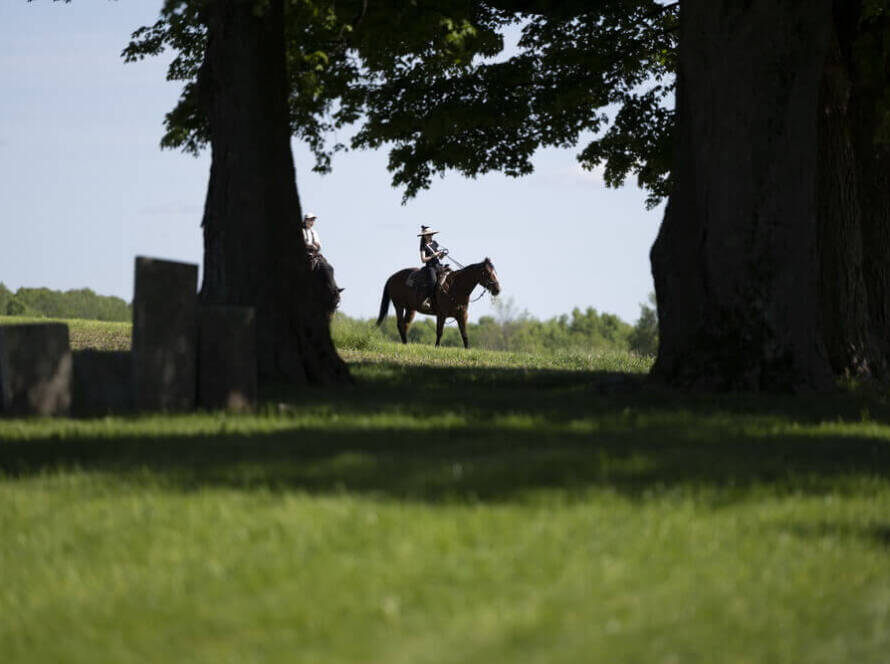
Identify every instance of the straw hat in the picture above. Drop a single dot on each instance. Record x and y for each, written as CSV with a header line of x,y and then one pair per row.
x,y
425,230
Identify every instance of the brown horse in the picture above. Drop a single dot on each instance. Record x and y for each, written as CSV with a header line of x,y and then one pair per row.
x,y
452,298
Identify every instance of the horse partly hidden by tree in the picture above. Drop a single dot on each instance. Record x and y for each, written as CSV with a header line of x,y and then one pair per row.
x,y
324,285
451,299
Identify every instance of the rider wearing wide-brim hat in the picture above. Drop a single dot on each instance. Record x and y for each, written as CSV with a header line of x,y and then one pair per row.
x,y
430,253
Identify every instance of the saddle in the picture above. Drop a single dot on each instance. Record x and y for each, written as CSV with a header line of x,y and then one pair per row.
x,y
441,273
317,261
413,283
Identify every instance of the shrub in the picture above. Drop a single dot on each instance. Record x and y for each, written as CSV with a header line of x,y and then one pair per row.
x,y
644,337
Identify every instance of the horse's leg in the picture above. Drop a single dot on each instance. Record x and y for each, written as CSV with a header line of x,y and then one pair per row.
x,y
400,324
409,316
440,325
462,324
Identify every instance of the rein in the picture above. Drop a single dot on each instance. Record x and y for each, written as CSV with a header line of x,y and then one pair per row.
x,y
481,295
453,259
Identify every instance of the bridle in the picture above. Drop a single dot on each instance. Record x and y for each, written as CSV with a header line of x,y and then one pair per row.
x,y
489,283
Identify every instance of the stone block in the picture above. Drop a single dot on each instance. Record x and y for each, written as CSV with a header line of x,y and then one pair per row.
x,y
164,335
227,363
35,369
103,382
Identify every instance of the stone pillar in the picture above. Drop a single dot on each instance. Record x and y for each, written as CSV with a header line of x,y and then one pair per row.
x,y
35,369
227,362
164,334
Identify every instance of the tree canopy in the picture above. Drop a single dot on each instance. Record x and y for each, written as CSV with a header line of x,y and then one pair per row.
x,y
431,80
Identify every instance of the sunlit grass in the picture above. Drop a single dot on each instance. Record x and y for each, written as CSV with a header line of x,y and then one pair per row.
x,y
101,335
424,355
454,506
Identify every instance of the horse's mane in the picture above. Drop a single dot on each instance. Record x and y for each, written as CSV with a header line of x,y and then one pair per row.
x,y
454,273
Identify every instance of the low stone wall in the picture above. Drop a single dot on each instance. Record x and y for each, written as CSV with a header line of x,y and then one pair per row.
x,y
227,366
182,355
103,382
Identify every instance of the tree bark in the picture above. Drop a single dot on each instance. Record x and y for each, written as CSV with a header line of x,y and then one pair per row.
x,y
254,253
842,292
735,262
853,195
875,191
867,101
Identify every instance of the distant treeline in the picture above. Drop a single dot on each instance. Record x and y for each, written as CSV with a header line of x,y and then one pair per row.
x,y
583,330
81,303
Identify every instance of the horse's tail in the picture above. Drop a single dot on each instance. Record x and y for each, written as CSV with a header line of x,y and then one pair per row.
x,y
384,304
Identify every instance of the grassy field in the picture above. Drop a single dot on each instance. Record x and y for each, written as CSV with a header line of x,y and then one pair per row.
x,y
86,333
457,507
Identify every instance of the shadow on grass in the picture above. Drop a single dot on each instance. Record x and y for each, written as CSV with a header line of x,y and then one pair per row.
x,y
875,533
512,433
558,395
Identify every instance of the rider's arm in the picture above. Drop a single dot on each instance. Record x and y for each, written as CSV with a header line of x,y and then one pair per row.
x,y
427,258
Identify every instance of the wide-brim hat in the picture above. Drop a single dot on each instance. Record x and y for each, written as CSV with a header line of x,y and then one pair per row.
x,y
425,230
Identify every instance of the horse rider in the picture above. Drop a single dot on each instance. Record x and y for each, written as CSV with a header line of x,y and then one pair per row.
x,y
430,253
313,248
310,235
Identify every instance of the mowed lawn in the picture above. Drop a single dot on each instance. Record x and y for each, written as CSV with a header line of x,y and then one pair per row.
x,y
454,506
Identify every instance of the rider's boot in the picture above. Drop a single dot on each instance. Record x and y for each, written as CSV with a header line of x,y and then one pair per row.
x,y
428,301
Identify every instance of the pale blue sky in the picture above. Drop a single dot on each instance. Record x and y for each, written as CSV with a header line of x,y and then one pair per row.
x,y
84,186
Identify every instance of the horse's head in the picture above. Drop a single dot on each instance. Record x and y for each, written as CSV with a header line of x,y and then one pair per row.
x,y
326,292
332,301
489,280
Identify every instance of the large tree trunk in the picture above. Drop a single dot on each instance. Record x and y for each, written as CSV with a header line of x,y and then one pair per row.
x,y
842,292
867,101
735,262
853,195
254,253
875,191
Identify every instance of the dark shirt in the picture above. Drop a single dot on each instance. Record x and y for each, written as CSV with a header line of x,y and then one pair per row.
x,y
429,249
